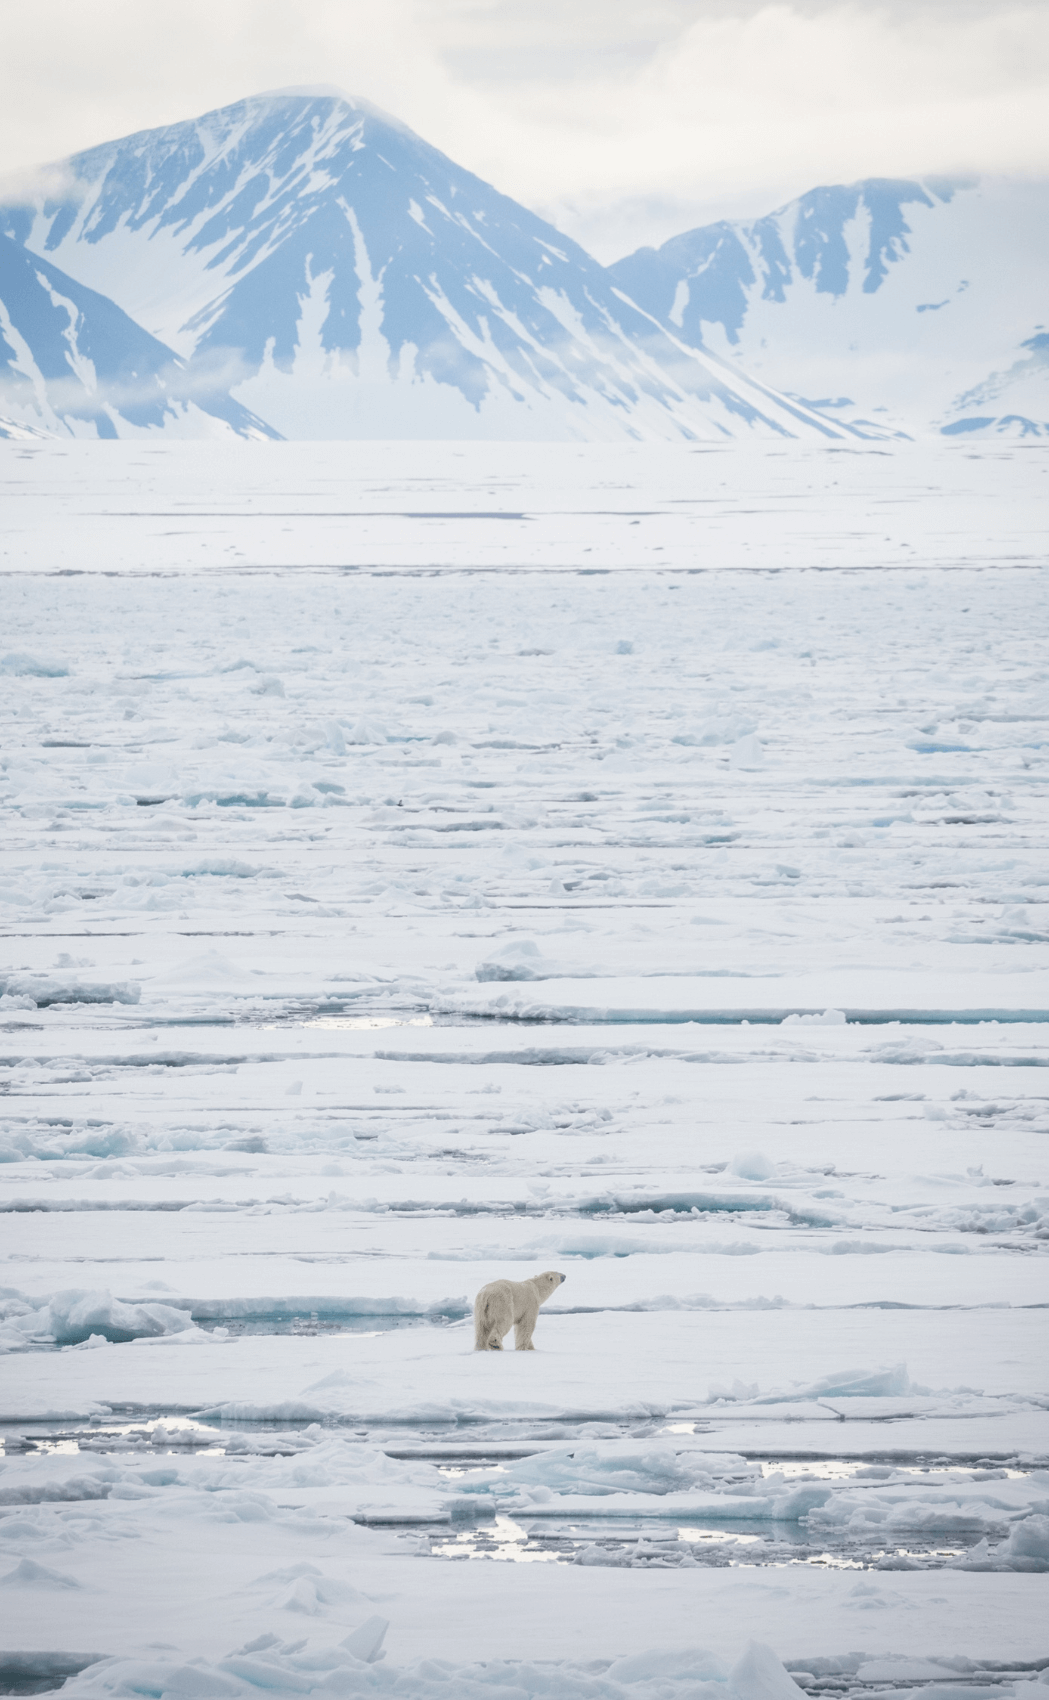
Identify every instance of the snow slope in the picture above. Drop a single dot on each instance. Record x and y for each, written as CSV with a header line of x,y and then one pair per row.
x,y
72,363
920,303
352,281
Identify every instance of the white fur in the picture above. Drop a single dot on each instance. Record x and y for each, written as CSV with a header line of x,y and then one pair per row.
x,y
503,1305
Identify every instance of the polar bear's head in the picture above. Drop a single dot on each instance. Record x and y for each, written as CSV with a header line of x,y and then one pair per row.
x,y
546,1283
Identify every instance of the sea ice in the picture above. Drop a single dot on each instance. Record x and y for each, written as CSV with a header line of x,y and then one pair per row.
x,y
486,945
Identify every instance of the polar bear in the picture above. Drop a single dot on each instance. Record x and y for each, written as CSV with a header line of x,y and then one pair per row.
x,y
503,1305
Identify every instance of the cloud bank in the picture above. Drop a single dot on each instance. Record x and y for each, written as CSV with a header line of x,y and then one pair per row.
x,y
623,121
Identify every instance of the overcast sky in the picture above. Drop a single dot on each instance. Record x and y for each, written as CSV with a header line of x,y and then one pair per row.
x,y
623,121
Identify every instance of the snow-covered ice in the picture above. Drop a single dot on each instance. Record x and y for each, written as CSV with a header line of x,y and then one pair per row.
x,y
430,862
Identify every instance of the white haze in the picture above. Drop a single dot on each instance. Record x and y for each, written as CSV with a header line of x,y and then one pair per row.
x,y
621,122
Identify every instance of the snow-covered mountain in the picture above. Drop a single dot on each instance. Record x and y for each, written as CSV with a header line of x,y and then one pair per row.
x,y
72,362
348,280
923,304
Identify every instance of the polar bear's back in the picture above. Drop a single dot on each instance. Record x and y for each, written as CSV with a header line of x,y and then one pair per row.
x,y
507,1300
516,1293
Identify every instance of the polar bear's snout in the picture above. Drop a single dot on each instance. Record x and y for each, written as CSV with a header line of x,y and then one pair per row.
x,y
503,1305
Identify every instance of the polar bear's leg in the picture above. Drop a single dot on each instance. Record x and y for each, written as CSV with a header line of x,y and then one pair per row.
x,y
498,1324
491,1340
524,1326
493,1318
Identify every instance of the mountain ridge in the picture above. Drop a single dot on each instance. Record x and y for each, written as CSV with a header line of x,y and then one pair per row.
x,y
302,257
343,278
918,295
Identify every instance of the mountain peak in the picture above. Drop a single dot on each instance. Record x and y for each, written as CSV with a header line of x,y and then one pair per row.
x,y
307,91
311,94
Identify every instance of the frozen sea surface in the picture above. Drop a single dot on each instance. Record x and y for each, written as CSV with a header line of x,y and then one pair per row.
x,y
425,863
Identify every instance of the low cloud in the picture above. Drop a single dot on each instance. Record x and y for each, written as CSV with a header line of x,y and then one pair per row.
x,y
622,120
32,183
206,381
744,107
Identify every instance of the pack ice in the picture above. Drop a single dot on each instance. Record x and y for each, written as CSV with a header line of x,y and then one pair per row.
x,y
409,880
